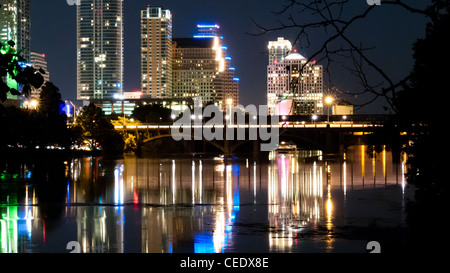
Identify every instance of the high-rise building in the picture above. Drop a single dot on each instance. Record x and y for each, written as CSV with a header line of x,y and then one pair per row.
x,y
294,86
99,49
15,24
278,50
202,69
37,60
156,52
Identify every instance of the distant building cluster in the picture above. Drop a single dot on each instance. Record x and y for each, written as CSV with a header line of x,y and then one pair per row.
x,y
172,69
175,72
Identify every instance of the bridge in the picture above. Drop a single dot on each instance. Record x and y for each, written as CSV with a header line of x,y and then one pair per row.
x,y
331,137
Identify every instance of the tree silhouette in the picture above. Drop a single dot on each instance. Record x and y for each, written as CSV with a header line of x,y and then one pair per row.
x,y
152,113
421,113
53,120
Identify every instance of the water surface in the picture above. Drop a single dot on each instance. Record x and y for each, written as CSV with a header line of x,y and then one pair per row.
x,y
293,202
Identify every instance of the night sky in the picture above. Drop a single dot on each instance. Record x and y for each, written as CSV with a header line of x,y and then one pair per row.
x,y
392,32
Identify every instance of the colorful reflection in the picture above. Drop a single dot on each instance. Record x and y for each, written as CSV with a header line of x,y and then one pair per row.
x,y
191,204
295,199
20,222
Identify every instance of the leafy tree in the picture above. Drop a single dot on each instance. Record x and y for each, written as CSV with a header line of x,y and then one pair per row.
x,y
15,75
94,128
120,121
152,113
130,142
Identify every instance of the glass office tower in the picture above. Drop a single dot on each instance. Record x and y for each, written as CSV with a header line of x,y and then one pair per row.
x,y
99,49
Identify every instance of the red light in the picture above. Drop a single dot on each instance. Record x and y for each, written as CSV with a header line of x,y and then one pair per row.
x,y
295,50
135,197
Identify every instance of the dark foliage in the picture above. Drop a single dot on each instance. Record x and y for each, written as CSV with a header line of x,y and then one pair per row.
x,y
422,113
27,129
94,127
12,66
152,113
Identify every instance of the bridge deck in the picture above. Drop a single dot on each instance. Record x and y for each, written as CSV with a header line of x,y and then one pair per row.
x,y
246,126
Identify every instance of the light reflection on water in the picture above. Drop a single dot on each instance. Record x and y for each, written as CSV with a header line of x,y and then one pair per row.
x,y
294,202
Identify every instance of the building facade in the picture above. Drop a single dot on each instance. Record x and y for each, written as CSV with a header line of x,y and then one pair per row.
x,y
156,52
99,49
15,25
202,69
278,50
37,60
294,86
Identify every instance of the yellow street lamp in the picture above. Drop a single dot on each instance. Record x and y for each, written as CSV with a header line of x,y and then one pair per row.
x,y
329,100
34,104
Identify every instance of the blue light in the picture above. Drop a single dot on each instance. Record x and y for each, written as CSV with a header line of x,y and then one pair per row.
x,y
224,47
24,65
236,79
119,85
228,58
208,26
68,191
203,243
204,36
232,68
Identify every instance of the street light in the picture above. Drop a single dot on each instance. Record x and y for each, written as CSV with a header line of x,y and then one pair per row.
x,y
229,104
34,104
329,100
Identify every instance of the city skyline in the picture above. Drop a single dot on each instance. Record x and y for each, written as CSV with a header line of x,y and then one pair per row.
x,y
248,51
228,127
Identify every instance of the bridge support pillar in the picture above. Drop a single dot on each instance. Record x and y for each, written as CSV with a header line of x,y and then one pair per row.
x,y
328,142
226,147
256,149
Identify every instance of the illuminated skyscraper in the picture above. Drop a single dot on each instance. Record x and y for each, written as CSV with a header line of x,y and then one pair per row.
x,y
99,49
202,69
37,60
15,24
294,86
156,52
